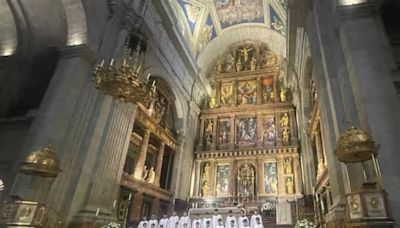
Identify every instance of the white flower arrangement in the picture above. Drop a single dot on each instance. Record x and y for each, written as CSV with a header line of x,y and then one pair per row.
x,y
305,224
111,225
239,205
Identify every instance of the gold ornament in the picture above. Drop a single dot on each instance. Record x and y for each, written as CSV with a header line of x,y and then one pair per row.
x,y
355,145
42,163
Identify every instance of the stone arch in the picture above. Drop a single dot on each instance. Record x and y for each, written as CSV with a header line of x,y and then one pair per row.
x,y
76,22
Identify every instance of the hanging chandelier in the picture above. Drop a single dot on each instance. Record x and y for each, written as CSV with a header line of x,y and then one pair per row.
x,y
123,78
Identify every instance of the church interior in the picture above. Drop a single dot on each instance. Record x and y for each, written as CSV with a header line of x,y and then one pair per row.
x,y
117,111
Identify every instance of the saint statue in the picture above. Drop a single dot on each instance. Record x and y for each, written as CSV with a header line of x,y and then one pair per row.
x,y
213,102
151,176
210,126
284,121
271,59
218,67
205,177
229,63
289,186
239,65
145,173
282,95
253,63
245,52
285,135
288,166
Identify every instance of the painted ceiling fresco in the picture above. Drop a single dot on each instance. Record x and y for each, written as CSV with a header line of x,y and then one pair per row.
x,y
201,21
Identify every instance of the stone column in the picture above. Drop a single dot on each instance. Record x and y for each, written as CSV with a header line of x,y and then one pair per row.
x,y
196,186
142,155
281,176
297,174
201,135
159,163
136,206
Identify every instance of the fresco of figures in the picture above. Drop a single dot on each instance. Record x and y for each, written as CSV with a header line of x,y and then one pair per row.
x,y
269,131
224,134
268,93
231,12
247,92
247,131
222,180
270,178
226,94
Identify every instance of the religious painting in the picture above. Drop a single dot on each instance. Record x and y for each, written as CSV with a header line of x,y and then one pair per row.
x,y
268,93
160,106
192,13
270,178
269,131
226,94
205,178
289,184
247,131
207,33
276,22
232,12
222,180
224,134
247,92
208,131
246,180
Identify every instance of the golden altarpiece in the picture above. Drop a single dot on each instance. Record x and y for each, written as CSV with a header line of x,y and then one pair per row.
x,y
248,147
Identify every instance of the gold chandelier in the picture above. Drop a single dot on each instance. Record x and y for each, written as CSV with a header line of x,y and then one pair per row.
x,y
123,78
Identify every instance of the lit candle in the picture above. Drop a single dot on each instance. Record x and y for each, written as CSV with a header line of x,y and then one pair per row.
x,y
115,203
130,196
148,76
138,69
97,212
154,83
102,63
112,62
124,62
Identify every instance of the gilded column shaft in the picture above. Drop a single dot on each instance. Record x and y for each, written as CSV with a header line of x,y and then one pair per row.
x,y
142,155
159,163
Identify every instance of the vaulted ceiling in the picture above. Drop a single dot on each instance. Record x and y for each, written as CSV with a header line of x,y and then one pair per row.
x,y
210,27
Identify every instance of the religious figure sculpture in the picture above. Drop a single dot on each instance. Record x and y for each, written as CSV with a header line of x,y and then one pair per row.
x,y
218,67
205,177
229,63
226,94
282,95
151,176
239,65
245,52
271,59
253,63
210,126
288,166
145,173
289,186
213,102
284,121
285,135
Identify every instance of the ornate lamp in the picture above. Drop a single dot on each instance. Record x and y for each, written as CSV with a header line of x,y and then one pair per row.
x,y
43,163
122,78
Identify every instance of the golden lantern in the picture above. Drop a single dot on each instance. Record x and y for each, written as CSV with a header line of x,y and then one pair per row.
x,y
43,163
355,145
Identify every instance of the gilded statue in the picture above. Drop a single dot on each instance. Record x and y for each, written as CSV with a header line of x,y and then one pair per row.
x,y
282,95
271,59
218,67
245,52
239,65
288,166
229,63
205,177
253,63
285,135
284,121
145,173
151,176
289,186
213,102
210,126
204,189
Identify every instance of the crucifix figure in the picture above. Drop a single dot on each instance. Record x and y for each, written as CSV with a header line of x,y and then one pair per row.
x,y
245,52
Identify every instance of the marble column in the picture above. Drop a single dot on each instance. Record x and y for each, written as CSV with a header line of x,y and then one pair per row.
x,y
297,174
142,155
159,163
281,175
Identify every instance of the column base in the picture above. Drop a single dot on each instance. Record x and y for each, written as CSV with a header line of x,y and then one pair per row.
x,y
86,217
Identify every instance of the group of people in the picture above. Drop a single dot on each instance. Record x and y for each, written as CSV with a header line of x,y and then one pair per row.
x,y
214,221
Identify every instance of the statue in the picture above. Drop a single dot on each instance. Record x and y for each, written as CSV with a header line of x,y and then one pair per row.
x,y
253,63
151,176
271,59
204,189
284,121
218,67
210,126
145,173
205,177
213,102
229,62
282,95
285,135
238,65
289,186
321,167
245,52
288,166
278,25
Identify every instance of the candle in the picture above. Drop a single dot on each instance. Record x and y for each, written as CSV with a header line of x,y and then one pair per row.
x,y
97,212
112,62
154,83
138,69
148,76
102,63
124,62
115,203
130,196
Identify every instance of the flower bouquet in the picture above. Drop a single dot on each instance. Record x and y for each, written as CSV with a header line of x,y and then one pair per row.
x,y
111,225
